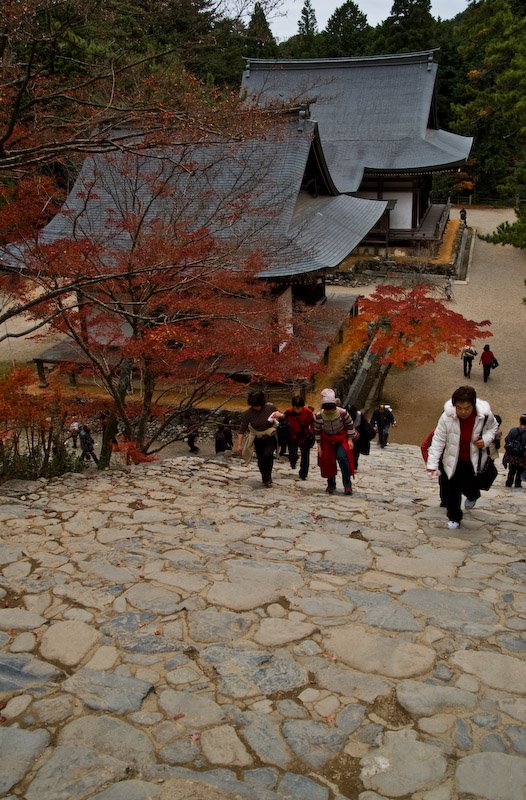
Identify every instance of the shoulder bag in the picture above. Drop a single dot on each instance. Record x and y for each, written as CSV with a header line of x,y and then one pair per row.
x,y
485,476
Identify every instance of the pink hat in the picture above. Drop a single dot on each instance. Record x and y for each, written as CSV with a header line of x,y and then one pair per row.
x,y
328,396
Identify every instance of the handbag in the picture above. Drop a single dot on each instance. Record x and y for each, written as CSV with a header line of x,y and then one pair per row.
x,y
488,473
367,431
485,476
494,364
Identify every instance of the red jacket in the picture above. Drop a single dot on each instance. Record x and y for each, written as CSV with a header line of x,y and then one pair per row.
x,y
301,426
486,358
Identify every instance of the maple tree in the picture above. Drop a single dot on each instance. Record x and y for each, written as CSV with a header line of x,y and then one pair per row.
x,y
33,428
408,327
170,307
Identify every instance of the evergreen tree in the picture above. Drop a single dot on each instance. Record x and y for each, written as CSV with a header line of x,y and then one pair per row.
x,y
308,25
409,28
260,41
493,109
347,32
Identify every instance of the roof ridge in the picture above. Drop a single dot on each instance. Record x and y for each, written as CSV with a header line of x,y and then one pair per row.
x,y
350,61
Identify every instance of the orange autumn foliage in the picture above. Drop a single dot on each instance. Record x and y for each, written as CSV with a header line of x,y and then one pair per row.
x,y
408,327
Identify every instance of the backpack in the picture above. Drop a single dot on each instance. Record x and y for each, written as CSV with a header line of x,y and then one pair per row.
x,y
516,447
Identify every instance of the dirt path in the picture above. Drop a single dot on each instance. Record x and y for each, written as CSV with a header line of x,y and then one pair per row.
x,y
494,290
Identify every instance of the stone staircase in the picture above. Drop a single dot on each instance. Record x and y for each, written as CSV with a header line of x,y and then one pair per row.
x,y
174,630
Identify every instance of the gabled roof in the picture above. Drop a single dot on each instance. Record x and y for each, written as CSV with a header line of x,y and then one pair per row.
x,y
375,114
250,192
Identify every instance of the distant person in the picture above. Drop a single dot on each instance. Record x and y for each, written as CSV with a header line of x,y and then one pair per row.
x,y
221,439
365,431
463,216
463,433
301,434
382,420
488,361
515,454
334,431
191,432
74,432
467,355
448,288
87,444
283,436
498,437
258,431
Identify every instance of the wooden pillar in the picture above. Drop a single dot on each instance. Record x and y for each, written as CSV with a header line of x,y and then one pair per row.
x,y
41,370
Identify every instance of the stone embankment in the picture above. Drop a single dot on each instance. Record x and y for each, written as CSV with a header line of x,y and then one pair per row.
x,y
174,630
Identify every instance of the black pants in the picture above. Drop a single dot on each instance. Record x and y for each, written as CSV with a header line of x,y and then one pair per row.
x,y
383,435
514,474
87,454
304,458
462,481
265,447
191,442
468,363
486,369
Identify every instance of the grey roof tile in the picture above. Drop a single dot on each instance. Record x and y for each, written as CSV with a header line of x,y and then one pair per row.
x,y
206,187
373,113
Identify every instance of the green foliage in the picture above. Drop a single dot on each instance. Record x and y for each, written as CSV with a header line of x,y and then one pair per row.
x,y
35,462
493,106
260,43
410,27
513,233
307,25
347,32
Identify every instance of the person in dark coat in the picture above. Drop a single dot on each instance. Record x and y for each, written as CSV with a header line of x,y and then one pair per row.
x,y
381,421
87,444
515,454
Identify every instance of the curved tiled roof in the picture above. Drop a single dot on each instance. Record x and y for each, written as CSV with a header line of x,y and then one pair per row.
x,y
249,192
374,114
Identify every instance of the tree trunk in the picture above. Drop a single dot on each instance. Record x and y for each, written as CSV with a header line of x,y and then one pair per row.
x,y
111,427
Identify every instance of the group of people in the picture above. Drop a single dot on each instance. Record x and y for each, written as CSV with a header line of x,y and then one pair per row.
x,y
340,436
487,359
461,450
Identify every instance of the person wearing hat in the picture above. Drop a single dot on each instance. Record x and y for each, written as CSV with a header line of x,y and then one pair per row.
x,y
515,454
334,431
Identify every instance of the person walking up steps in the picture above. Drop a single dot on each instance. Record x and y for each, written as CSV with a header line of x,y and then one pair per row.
x,y
333,428
515,454
301,434
461,438
257,431
381,421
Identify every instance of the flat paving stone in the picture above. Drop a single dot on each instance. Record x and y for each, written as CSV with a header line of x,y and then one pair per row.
x,y
251,643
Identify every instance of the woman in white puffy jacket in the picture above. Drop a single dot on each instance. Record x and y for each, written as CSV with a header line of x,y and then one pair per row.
x,y
462,433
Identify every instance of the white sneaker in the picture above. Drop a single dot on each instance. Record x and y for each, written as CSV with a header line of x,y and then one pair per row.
x,y
453,524
469,503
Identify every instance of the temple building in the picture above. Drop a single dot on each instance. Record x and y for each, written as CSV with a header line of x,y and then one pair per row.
x,y
379,130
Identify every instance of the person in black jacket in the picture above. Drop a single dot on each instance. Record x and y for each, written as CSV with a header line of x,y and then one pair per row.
x,y
381,421
515,454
